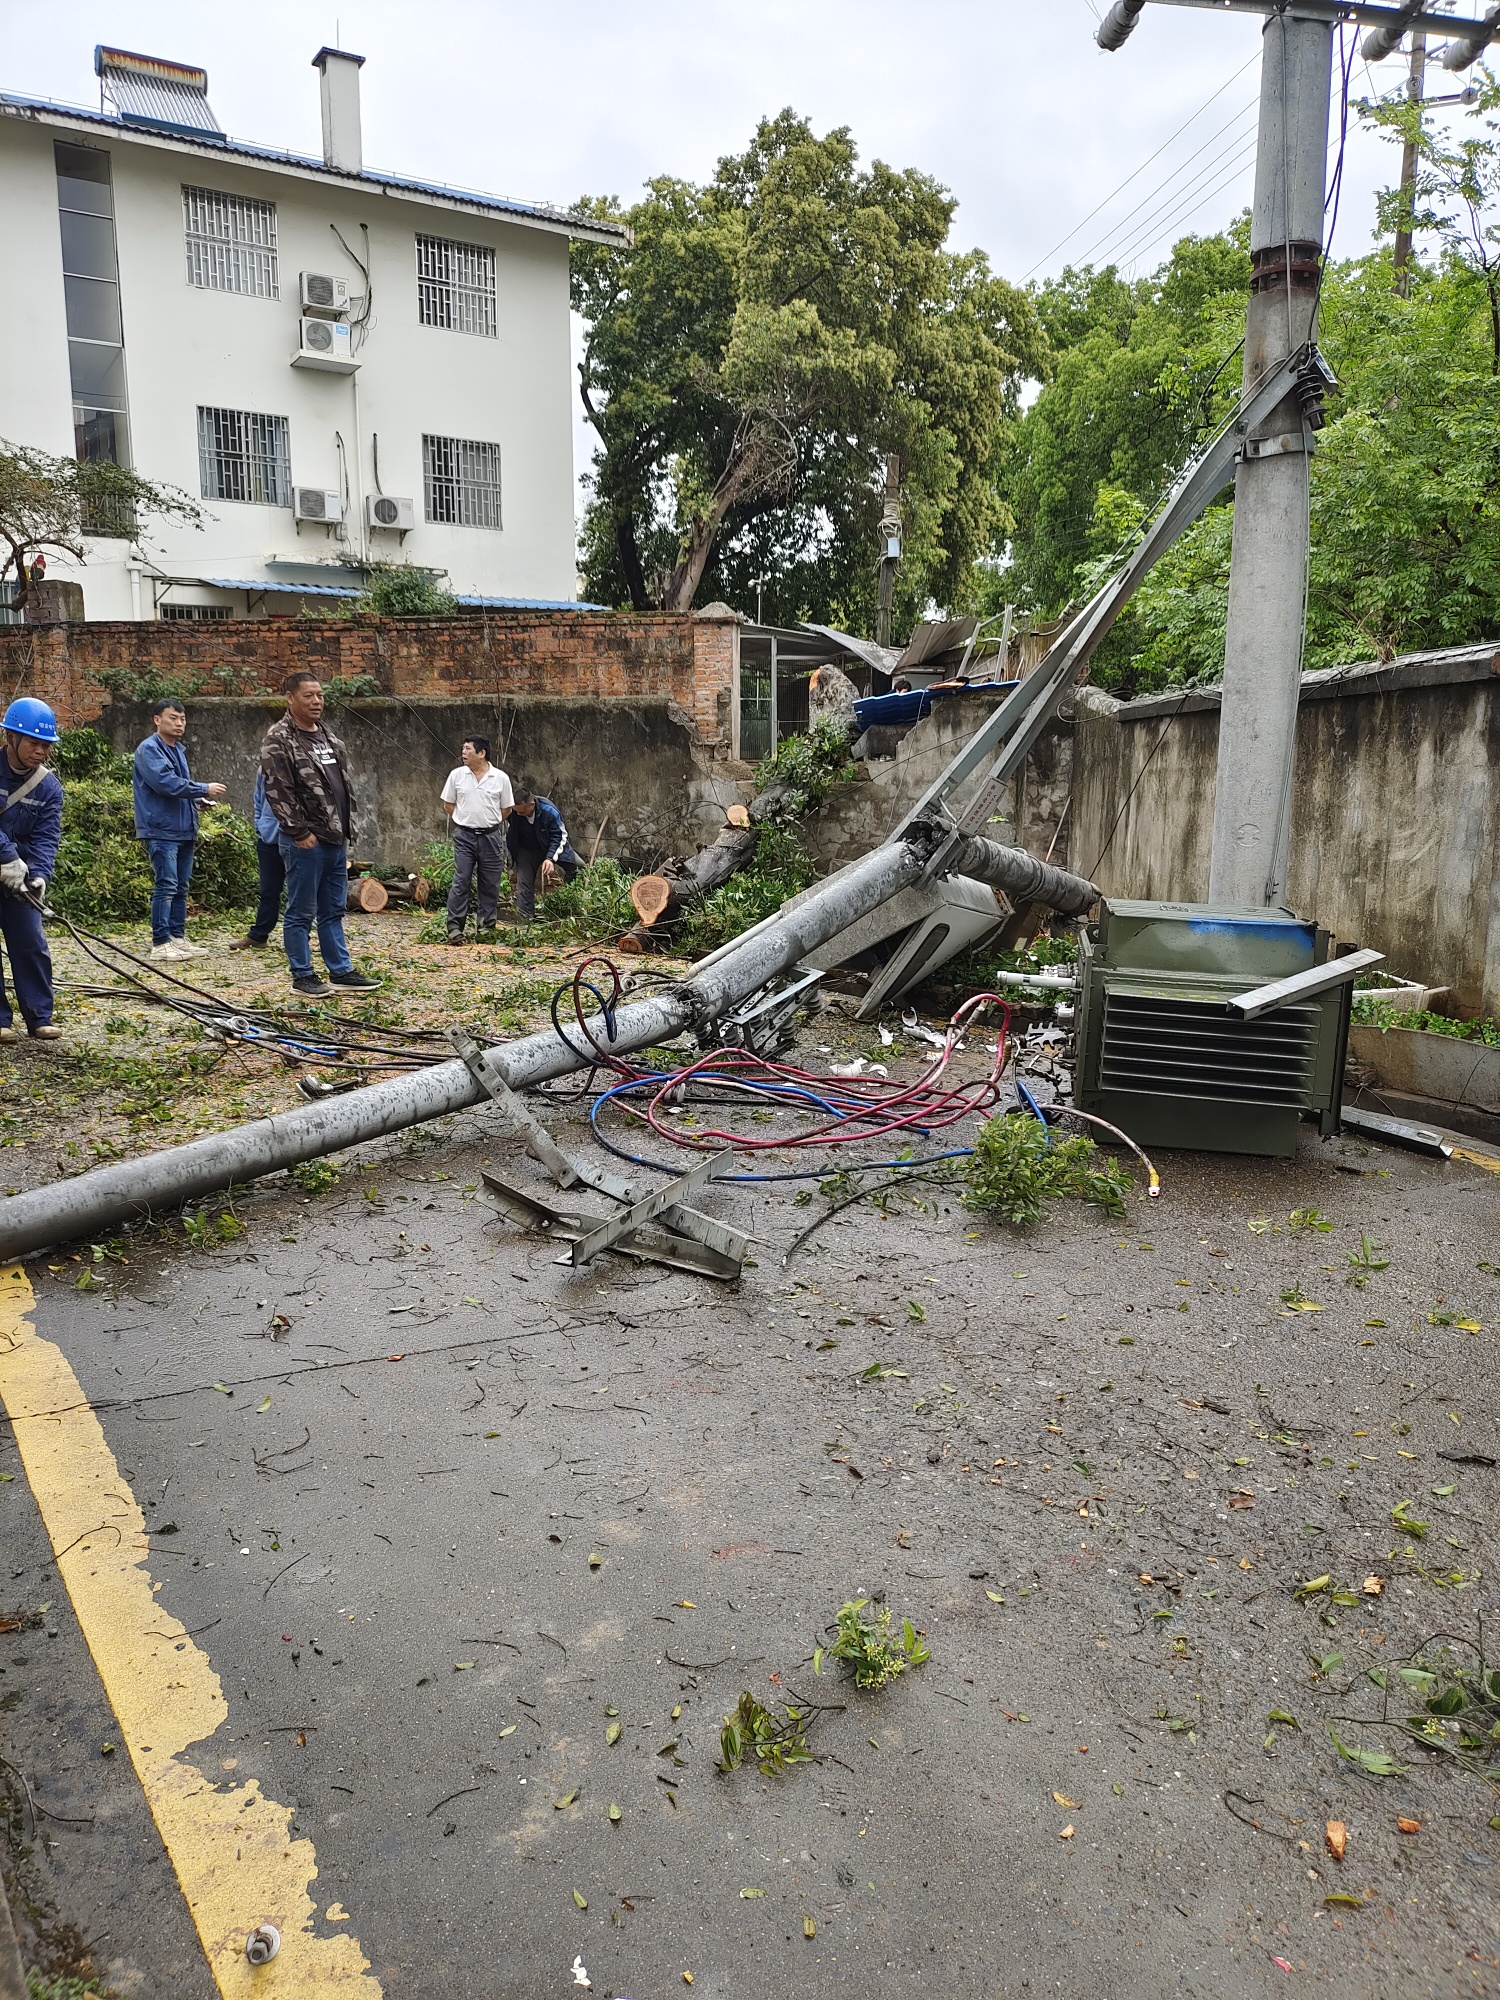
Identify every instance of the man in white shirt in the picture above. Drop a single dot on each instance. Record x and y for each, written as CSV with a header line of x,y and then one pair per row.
x,y
477,799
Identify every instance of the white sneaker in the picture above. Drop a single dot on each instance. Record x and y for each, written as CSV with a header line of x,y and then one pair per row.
x,y
169,953
186,950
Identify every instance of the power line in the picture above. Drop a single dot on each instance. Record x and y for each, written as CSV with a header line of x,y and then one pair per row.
x,y
1191,202
1126,222
1142,167
1145,225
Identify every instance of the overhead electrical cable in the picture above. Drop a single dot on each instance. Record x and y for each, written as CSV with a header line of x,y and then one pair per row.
x,y
1142,167
1164,226
1167,190
1185,201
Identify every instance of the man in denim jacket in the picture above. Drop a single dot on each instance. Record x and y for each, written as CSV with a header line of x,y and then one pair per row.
x,y
167,797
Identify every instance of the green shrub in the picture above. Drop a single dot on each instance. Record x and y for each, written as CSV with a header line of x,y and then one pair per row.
x,y
811,764
226,875
402,590
84,753
1019,1164
436,865
595,904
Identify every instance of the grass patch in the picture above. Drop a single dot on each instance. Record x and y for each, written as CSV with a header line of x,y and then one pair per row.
x,y
1019,1165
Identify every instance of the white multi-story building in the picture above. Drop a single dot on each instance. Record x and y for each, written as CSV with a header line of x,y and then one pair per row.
x,y
345,366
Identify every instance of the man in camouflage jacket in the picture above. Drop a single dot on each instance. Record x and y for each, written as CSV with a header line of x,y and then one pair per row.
x,y
311,795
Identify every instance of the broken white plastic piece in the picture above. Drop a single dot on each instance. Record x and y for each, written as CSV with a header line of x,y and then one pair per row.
x,y
580,1972
262,1944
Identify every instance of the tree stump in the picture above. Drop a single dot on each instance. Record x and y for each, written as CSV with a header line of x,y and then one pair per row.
x,y
372,894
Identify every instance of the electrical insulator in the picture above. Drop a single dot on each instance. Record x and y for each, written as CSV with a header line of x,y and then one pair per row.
x,y
1119,23
1386,39
1458,55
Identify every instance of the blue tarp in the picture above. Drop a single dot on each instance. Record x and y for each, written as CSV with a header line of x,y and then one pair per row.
x,y
899,711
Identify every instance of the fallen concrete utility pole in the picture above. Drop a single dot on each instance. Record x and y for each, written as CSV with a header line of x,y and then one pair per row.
x,y
96,1202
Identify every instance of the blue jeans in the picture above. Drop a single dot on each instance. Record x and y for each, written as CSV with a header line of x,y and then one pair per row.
x,y
272,881
30,963
172,865
317,881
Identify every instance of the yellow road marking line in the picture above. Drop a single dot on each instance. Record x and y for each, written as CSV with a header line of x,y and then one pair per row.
x,y
1486,1160
232,1847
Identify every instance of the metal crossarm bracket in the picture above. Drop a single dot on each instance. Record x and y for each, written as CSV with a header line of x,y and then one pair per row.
x,y
1005,740
572,1226
715,1249
650,1208
539,1141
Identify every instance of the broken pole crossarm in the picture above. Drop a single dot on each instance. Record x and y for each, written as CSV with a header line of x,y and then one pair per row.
x,y
1022,877
1005,739
128,1190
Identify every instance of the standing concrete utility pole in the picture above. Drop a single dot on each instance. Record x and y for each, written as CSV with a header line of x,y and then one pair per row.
x,y
1268,562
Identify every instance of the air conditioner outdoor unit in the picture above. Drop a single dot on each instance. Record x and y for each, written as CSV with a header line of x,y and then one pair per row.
x,y
325,343
312,503
324,295
385,510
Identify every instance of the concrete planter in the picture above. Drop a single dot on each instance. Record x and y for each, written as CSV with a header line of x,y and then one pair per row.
x,y
1438,1067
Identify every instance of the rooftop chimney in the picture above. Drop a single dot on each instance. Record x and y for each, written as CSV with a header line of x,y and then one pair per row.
x,y
340,96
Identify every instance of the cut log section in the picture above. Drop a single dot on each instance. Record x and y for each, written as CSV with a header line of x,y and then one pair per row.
x,y
372,894
652,896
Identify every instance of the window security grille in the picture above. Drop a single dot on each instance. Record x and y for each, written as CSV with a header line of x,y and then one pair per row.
x,y
194,614
456,286
243,455
461,481
231,243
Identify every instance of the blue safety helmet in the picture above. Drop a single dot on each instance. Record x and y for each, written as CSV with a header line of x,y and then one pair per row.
x,y
27,716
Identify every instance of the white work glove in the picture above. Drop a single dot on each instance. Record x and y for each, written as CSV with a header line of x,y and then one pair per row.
x,y
13,874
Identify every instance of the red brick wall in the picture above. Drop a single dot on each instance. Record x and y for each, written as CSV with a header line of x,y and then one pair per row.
x,y
585,656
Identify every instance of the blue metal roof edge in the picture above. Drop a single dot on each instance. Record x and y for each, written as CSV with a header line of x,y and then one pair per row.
x,y
222,144
527,604
261,586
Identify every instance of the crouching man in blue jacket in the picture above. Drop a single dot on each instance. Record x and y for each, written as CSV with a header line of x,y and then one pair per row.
x,y
31,799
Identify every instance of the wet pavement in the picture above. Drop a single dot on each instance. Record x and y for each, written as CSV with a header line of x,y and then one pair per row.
x,y
440,1513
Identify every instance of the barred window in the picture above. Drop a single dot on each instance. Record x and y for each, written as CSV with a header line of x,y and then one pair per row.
x,y
461,481
231,243
243,455
193,614
456,285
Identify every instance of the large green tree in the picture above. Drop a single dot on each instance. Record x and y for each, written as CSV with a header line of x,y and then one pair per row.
x,y
753,358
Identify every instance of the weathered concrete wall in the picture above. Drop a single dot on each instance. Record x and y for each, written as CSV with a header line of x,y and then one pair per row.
x,y
1395,808
858,816
629,766
596,656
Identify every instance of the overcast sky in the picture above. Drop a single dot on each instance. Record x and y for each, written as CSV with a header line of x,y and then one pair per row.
x,y
1008,102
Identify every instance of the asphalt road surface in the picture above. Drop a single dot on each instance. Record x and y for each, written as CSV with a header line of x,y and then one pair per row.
x,y
381,1522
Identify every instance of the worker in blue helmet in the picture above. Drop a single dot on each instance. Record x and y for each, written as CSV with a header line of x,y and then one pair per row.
x,y
31,799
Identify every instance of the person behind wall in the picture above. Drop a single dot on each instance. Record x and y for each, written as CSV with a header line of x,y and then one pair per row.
x,y
538,842
311,797
271,870
477,799
31,801
167,798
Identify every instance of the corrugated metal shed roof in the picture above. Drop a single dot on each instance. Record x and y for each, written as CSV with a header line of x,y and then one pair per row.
x,y
536,215
527,604
259,585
